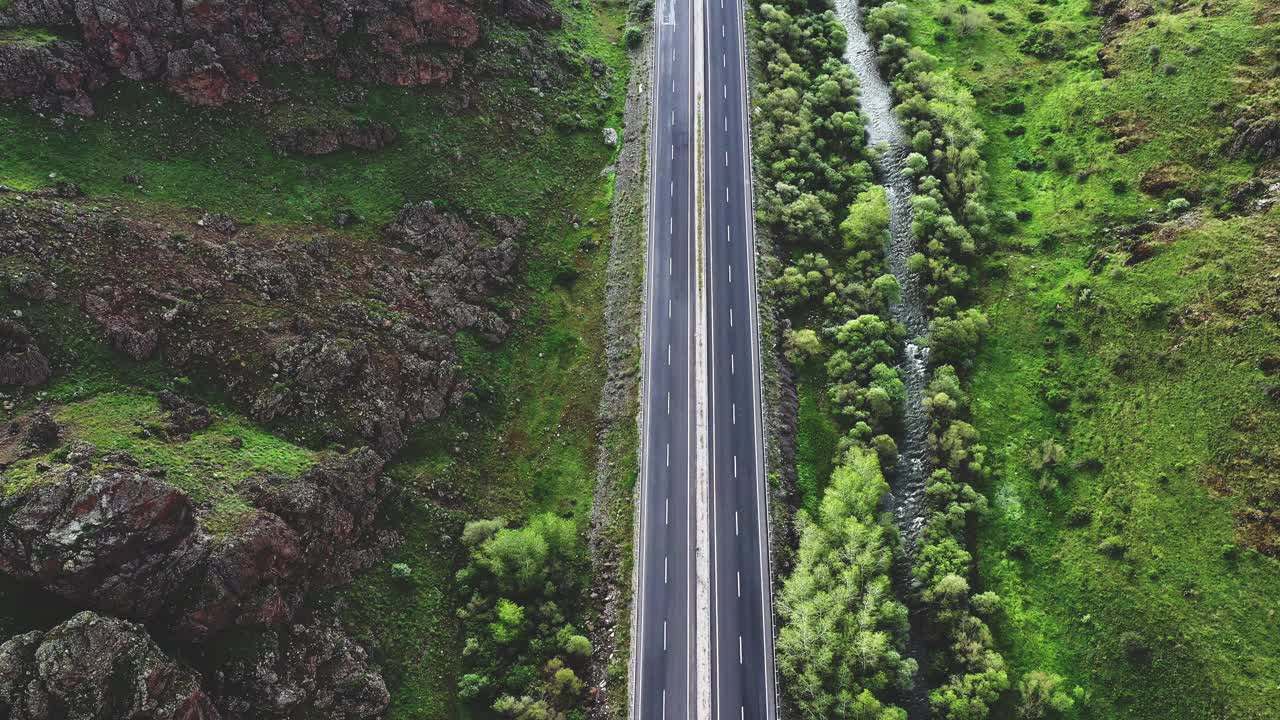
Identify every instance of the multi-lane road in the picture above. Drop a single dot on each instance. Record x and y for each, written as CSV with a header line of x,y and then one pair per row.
x,y
742,679
701,222
665,669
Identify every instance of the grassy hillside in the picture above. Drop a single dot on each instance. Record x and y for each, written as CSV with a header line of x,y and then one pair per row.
x,y
1126,385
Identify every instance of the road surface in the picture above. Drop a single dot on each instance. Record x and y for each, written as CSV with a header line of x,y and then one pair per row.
x,y
742,676
741,682
665,659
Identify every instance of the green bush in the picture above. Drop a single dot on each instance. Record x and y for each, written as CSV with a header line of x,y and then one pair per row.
x,y
632,37
520,653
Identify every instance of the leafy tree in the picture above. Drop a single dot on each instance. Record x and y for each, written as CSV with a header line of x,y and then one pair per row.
x,y
954,340
867,222
842,633
1043,696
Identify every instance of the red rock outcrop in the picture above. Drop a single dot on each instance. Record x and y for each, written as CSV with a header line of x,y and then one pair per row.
x,y
128,544
56,76
303,670
120,542
125,543
208,52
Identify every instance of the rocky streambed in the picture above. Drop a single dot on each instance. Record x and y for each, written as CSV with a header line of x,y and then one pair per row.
x,y
907,489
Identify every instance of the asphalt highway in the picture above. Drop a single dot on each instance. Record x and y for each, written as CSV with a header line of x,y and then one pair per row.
x,y
742,674
741,653
665,660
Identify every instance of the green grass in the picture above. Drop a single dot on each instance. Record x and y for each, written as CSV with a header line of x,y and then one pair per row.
x,y
206,465
26,35
816,437
1160,430
1140,357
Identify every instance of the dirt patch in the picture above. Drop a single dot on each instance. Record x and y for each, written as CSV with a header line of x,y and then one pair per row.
x,y
1129,130
1162,179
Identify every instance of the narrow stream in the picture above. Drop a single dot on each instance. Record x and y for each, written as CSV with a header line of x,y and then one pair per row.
x,y
906,494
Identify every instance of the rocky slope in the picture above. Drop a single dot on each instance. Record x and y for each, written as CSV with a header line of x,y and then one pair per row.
x,y
356,338
210,52
95,668
104,534
302,332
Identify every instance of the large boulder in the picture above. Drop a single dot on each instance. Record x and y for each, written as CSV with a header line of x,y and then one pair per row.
x,y
120,542
325,139
332,506
115,312
96,668
252,577
21,362
55,76
129,544
133,37
308,670
196,75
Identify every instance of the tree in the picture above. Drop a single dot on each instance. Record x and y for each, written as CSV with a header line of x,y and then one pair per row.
x,y
510,623
518,559
867,222
577,645
632,37
802,344
954,340
1043,696
842,634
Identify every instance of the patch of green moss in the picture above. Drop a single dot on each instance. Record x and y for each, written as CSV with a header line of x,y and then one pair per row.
x,y
816,437
27,35
209,465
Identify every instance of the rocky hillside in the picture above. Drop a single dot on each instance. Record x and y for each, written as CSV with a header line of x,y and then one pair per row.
x,y
286,289
210,52
294,329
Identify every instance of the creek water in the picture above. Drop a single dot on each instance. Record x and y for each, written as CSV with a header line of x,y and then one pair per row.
x,y
906,494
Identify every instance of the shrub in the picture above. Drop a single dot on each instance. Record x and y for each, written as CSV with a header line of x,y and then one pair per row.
x,y
866,225
1043,43
1113,546
1079,516
886,449
632,37
577,645
1043,696
954,340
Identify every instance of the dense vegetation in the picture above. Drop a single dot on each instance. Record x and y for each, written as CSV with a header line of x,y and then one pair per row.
x,y
521,652
842,634
1124,387
950,224
842,630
